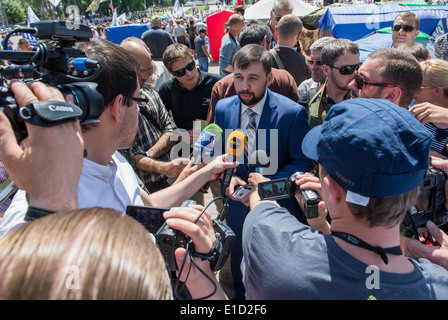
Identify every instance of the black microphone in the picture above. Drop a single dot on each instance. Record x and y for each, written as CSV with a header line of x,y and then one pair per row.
x,y
235,147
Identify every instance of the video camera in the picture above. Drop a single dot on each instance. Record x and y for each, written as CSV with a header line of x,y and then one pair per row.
x,y
54,61
430,204
168,239
284,188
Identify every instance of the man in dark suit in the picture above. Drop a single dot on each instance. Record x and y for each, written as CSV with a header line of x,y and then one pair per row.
x,y
272,123
285,53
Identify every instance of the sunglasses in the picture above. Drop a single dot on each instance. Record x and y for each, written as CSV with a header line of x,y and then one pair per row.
x,y
360,83
406,27
140,101
277,17
311,62
181,72
346,70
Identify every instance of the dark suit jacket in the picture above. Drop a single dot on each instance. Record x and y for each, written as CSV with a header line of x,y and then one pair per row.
x,y
281,117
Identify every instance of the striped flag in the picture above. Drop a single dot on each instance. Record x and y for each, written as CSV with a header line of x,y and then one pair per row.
x,y
31,39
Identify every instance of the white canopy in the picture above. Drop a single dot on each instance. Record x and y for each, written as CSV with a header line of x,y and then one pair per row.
x,y
261,10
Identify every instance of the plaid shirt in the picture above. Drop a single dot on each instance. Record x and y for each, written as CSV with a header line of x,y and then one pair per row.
x,y
148,134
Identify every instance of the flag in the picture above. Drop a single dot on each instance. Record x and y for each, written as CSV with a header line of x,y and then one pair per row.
x,y
55,2
111,5
200,15
114,18
224,6
182,9
32,40
93,6
31,16
121,19
176,8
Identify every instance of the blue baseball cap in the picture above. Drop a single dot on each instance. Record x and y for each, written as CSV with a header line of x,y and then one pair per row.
x,y
371,147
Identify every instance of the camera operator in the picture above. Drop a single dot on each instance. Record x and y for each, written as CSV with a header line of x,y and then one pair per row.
x,y
107,179
369,178
40,167
438,253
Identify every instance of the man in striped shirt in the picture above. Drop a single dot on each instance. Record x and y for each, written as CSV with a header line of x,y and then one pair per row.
x,y
149,156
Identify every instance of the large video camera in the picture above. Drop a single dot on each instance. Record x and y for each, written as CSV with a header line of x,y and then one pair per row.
x,y
54,61
284,188
430,204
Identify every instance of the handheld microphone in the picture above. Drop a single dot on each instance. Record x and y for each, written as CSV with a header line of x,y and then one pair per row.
x,y
204,146
258,160
235,147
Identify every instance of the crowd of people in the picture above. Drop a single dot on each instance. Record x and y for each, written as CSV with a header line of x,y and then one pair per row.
x,y
362,135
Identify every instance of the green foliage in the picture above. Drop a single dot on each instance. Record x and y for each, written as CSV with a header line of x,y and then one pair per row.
x,y
15,13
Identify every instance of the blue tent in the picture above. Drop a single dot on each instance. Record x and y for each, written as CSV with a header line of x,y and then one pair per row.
x,y
355,22
119,33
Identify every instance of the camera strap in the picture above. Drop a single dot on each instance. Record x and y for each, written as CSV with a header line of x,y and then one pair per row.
x,y
213,254
359,243
50,113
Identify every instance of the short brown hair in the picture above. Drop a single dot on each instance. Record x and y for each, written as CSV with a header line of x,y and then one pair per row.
x,y
409,14
235,19
401,69
175,52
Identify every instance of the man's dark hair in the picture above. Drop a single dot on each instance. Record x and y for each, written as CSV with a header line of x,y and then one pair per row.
x,y
250,54
336,48
401,69
239,9
254,32
119,70
175,52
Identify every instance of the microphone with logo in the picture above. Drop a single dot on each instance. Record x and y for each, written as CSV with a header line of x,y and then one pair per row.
x,y
204,147
235,148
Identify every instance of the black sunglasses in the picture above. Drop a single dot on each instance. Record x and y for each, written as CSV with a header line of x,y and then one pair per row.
x,y
360,83
346,70
406,27
140,101
277,17
181,72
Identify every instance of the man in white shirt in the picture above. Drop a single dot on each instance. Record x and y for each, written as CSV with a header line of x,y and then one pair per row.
x,y
107,179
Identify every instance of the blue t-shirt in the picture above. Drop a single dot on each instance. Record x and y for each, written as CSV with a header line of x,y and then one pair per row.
x,y
285,259
198,43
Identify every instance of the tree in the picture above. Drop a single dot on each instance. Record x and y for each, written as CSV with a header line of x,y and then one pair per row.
x,y
14,11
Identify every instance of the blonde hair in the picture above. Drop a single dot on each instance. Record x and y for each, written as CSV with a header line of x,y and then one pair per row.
x,y
435,73
82,255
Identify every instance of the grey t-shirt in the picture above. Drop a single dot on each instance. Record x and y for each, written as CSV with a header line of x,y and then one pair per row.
x,y
285,259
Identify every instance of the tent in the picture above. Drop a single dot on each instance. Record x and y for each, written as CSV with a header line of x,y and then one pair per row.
x,y
311,19
355,22
261,10
382,39
215,30
119,33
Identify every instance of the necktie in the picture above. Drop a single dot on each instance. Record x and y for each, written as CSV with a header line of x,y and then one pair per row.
x,y
250,134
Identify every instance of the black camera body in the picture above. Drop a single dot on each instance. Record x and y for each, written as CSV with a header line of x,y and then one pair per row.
x,y
53,61
168,240
308,199
430,204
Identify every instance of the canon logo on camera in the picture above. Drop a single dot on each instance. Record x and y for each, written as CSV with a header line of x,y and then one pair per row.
x,y
53,107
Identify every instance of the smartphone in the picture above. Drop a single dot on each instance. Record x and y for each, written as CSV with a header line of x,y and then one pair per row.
x,y
150,217
242,192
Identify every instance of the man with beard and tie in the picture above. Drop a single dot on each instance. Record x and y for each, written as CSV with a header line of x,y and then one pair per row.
x,y
272,123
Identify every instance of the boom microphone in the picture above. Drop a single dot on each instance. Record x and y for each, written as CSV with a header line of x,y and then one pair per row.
x,y
235,147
